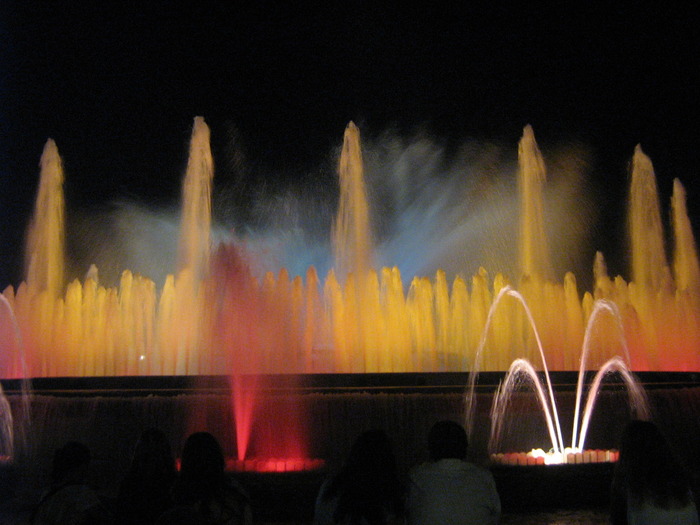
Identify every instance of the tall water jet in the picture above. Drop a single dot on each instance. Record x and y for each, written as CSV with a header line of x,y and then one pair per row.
x,y
352,251
662,330
535,280
195,228
352,244
218,315
685,331
237,325
649,264
358,319
194,246
533,250
686,269
45,249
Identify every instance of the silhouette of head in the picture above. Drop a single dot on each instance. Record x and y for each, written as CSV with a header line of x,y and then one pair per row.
x,y
202,457
70,462
650,467
642,441
447,439
371,452
368,486
152,454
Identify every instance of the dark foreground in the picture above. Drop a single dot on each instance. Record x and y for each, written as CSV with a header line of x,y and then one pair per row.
x,y
530,495
561,517
108,414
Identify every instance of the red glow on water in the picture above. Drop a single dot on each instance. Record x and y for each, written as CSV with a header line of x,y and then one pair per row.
x,y
264,465
257,465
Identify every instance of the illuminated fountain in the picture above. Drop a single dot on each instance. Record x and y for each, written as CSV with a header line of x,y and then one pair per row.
x,y
521,370
217,316
358,319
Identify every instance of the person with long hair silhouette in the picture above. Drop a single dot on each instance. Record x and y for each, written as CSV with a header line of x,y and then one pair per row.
x,y
650,485
367,490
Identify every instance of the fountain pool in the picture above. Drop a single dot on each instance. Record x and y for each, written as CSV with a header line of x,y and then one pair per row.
x,y
216,316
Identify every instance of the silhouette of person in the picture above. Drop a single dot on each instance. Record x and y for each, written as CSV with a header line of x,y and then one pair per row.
x,y
367,490
203,493
145,492
447,489
649,484
70,501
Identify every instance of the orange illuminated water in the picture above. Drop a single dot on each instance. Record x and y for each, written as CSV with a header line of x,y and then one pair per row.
x,y
215,316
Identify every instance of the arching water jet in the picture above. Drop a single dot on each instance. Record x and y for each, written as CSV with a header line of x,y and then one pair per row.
x,y
523,368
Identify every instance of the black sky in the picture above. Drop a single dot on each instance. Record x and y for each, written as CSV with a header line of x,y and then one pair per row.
x,y
117,88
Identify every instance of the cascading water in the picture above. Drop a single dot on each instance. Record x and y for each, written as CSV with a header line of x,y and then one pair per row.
x,y
7,436
12,430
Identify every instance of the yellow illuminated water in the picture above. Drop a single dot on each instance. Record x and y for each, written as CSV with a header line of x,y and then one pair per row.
x,y
216,317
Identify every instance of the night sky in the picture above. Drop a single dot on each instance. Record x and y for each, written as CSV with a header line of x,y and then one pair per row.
x,y
117,88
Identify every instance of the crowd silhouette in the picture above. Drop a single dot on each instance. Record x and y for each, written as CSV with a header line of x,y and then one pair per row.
x,y
367,489
146,491
649,485
69,498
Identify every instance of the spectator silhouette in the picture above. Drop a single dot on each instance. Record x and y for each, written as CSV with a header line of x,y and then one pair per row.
x,y
145,492
367,490
203,493
649,484
70,501
448,489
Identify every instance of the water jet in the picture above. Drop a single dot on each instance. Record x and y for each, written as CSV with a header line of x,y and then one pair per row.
x,y
216,317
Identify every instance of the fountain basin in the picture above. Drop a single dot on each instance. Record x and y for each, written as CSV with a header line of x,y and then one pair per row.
x,y
566,486
274,465
282,496
109,414
540,457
